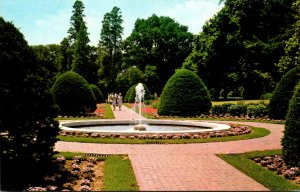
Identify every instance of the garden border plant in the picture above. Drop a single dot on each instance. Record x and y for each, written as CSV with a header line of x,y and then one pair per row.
x,y
118,171
108,114
269,179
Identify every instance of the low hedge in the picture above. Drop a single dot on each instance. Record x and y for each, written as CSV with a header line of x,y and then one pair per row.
x,y
252,110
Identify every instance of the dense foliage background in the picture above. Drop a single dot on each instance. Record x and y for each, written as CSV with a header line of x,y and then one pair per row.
x,y
242,51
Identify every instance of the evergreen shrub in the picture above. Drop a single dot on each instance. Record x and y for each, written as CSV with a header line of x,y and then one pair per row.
x,y
291,139
128,93
283,92
97,93
132,94
73,95
258,110
220,109
237,110
27,112
184,95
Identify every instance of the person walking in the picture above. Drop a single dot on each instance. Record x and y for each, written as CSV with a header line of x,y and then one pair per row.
x,y
120,101
114,101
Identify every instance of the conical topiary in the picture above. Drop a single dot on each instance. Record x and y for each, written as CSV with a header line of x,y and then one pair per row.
x,y
283,92
291,139
73,95
184,95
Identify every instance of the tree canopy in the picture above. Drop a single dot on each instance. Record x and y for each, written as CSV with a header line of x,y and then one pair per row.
x,y
157,41
240,45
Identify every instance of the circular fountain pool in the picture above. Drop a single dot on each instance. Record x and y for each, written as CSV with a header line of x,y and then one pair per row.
x,y
152,126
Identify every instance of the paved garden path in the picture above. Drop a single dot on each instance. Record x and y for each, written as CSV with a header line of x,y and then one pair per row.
x,y
175,167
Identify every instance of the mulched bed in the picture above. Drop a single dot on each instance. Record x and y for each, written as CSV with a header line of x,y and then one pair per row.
x,y
233,131
276,163
73,175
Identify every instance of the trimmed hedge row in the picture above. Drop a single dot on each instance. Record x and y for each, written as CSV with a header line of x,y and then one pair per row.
x,y
252,110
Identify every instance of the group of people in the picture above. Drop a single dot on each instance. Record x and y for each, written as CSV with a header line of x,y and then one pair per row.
x,y
115,100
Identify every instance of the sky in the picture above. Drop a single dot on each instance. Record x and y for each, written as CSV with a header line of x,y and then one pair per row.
x,y
47,21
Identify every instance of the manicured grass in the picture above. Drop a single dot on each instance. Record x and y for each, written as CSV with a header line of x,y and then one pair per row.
x,y
245,102
118,172
108,114
261,174
119,175
256,132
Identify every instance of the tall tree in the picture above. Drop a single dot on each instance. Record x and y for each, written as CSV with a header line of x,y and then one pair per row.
x,y
110,40
47,56
65,56
291,57
160,42
76,20
240,45
81,62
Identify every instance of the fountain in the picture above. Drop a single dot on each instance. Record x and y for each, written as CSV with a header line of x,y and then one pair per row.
x,y
139,97
146,126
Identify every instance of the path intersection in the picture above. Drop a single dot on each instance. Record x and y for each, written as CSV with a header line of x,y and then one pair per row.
x,y
182,167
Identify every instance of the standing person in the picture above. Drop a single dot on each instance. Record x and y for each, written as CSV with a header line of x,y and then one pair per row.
x,y
114,101
120,101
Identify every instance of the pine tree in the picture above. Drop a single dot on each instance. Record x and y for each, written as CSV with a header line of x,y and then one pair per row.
x,y
80,62
76,20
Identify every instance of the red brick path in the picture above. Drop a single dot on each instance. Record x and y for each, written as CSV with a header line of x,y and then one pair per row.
x,y
187,166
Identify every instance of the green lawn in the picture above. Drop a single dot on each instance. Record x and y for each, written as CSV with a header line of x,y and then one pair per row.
x,y
245,102
256,132
261,174
119,175
118,172
108,114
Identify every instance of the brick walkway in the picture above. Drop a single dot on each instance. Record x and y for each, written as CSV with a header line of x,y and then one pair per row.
x,y
186,166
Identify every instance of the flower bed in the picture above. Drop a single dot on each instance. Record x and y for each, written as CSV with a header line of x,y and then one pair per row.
x,y
99,112
276,163
233,131
73,175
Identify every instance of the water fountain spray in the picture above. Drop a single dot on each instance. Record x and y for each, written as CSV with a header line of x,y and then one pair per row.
x,y
139,97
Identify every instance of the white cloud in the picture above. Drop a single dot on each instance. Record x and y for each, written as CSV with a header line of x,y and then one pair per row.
x,y
194,13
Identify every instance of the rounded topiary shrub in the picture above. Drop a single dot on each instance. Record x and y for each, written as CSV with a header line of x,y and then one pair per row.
x,y
291,139
73,95
184,95
131,93
283,92
128,93
97,93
